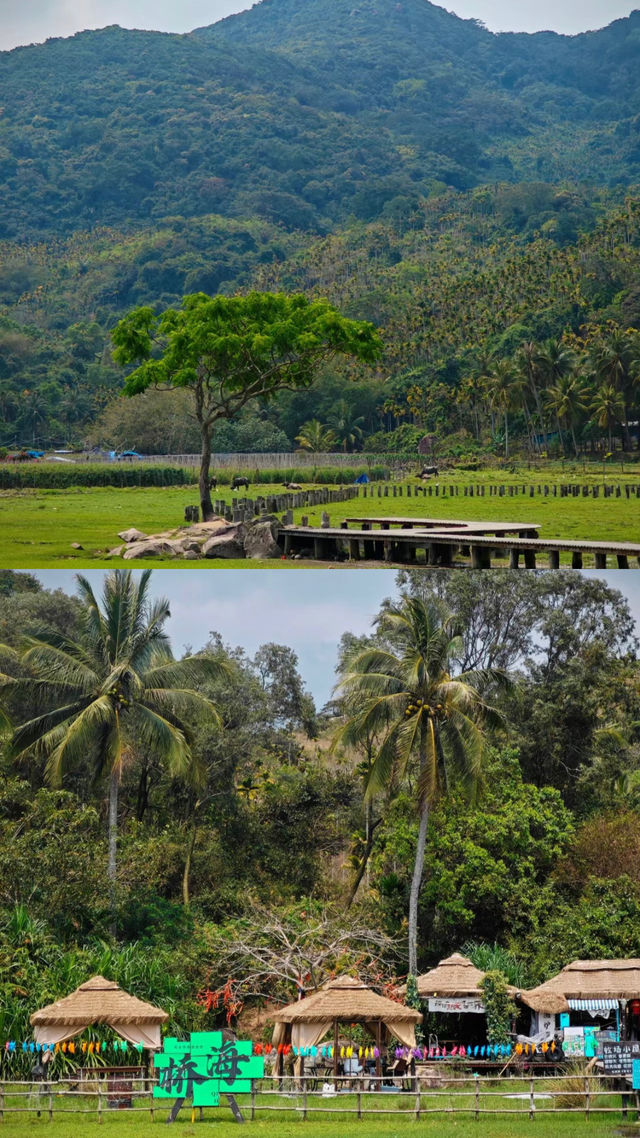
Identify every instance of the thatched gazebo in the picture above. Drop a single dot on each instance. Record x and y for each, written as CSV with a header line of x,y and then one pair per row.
x,y
455,979
100,1001
344,1000
594,986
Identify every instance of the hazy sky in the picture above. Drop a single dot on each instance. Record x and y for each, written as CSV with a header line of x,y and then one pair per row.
x,y
308,609
32,21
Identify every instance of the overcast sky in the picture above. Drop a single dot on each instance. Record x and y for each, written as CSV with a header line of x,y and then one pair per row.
x,y
32,21
308,609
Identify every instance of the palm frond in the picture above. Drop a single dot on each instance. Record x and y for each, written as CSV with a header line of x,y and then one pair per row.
x,y
162,737
179,703
79,737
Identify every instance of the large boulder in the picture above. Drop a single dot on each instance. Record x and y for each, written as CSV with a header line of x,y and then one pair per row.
x,y
261,539
132,534
140,549
228,544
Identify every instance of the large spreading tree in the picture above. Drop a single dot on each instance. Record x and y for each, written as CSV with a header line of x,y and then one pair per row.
x,y
229,350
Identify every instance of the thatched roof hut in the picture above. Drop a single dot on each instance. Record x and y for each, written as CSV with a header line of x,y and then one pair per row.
x,y
100,1001
343,1000
588,985
454,976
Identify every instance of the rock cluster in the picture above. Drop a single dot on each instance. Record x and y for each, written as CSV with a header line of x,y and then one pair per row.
x,y
257,539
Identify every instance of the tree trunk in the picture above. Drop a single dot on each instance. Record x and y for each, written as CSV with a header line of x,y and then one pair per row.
x,y
506,435
371,826
113,842
416,882
205,462
187,867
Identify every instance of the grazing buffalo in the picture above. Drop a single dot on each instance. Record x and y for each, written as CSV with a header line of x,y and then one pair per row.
x,y
292,486
428,471
239,481
213,483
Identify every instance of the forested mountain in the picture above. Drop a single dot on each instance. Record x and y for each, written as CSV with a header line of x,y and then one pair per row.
x,y
463,190
306,113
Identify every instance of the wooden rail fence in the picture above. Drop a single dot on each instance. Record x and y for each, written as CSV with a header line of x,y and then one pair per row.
x,y
444,1091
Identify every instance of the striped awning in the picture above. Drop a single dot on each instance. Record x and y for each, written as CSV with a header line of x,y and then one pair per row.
x,y
594,1005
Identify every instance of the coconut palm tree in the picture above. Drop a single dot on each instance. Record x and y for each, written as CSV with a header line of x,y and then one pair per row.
x,y
608,408
568,400
504,386
346,426
314,436
116,685
422,715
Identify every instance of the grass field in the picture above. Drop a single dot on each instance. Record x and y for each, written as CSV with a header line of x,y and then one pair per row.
x,y
336,1122
39,526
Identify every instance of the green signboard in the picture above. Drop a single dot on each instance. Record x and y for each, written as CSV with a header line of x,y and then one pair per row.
x,y
203,1066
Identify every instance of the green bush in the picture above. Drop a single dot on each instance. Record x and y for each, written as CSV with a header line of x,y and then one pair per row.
x,y
44,476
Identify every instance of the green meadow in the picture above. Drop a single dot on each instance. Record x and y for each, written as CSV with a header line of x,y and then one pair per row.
x,y
39,526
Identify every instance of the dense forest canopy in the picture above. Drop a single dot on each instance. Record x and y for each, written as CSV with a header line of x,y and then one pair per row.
x,y
463,190
214,879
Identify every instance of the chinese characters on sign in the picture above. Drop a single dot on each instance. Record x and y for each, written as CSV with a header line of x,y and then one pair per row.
x,y
462,1005
202,1067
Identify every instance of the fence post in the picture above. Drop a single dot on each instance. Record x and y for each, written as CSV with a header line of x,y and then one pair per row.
x,y
99,1102
304,1098
50,1106
587,1098
477,1081
532,1101
418,1101
1,1102
253,1099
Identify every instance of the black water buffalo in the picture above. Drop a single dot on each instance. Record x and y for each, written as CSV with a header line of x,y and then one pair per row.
x,y
428,471
239,481
292,486
213,482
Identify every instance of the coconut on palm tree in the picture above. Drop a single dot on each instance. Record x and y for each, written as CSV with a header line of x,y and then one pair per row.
x,y
115,687
423,716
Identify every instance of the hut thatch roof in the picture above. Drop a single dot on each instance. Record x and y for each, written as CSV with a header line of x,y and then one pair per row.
x,y
347,1000
455,976
98,1001
587,980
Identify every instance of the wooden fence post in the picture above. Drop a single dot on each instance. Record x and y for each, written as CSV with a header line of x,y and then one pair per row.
x,y
477,1082
99,1102
50,1107
418,1101
587,1098
359,1102
1,1102
304,1098
253,1099
532,1101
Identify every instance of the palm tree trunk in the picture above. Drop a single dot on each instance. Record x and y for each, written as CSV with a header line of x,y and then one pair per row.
x,y
506,435
416,882
113,842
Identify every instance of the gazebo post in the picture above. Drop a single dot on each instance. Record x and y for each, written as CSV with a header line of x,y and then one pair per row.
x,y
335,1054
379,1056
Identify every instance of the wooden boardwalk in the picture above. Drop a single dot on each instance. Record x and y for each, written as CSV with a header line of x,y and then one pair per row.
x,y
500,529
471,545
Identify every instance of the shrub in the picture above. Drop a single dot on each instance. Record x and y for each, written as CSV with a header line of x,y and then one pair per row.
x,y
42,476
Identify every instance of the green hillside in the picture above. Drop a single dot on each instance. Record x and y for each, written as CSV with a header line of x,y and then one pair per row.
x,y
305,114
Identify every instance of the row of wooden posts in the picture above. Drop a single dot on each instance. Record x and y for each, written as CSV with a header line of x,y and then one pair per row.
x,y
503,490
245,509
451,1092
